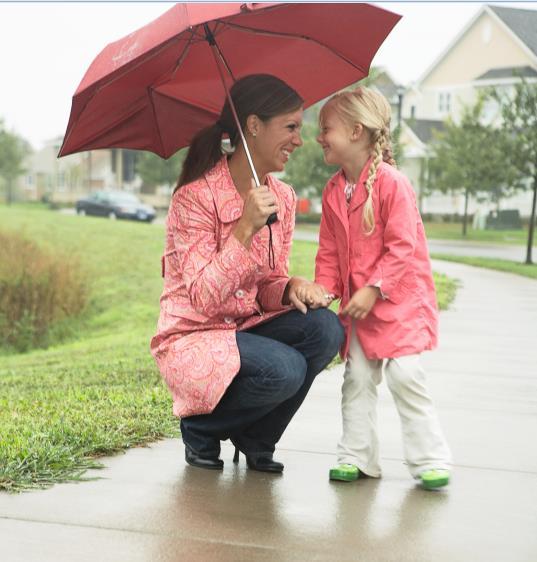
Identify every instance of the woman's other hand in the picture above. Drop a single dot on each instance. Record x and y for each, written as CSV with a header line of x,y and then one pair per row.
x,y
362,302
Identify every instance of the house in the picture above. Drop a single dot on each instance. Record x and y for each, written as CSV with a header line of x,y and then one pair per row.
x,y
64,180
493,49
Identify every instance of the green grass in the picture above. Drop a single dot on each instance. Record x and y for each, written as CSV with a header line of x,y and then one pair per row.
x,y
98,392
453,231
492,263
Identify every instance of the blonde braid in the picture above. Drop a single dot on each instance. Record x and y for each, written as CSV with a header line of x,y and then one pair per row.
x,y
368,215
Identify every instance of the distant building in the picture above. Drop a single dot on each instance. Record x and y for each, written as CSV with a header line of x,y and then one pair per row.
x,y
494,48
66,179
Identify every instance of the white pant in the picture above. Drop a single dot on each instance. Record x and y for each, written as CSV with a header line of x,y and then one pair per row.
x,y
424,444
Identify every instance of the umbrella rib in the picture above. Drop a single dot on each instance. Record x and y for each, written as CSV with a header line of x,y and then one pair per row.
x,y
291,36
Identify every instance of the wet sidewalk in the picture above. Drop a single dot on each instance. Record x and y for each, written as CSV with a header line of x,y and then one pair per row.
x,y
149,506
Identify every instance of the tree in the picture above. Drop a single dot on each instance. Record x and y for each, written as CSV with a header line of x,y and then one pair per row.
x,y
155,171
470,157
13,150
519,124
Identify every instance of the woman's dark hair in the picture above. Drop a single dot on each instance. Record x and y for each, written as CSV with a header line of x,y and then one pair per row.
x,y
263,95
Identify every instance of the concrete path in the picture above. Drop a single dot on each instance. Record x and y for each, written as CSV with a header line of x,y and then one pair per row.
x,y
148,506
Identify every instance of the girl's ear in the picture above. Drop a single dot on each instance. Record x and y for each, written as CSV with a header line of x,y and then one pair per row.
x,y
357,131
252,125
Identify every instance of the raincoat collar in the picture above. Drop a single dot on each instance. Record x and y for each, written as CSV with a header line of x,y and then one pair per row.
x,y
336,195
229,203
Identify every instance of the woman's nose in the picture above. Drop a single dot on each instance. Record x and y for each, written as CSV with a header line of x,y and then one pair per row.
x,y
298,140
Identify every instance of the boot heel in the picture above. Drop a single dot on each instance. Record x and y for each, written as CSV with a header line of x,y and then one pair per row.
x,y
236,455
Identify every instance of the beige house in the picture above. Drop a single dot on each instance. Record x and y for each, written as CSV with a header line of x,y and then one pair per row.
x,y
493,49
64,180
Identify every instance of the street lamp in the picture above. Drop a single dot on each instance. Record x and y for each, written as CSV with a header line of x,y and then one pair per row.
x,y
400,94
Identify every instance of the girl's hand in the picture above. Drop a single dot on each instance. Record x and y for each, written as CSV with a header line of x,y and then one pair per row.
x,y
362,302
314,295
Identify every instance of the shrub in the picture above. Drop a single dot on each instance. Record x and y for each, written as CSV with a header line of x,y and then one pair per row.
x,y
38,291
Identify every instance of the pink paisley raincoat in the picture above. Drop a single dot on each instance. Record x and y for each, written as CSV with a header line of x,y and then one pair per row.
x,y
395,258
214,286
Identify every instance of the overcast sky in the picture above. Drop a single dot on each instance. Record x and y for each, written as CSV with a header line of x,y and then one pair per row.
x,y
46,47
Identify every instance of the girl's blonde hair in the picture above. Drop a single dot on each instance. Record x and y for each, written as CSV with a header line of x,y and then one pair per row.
x,y
371,109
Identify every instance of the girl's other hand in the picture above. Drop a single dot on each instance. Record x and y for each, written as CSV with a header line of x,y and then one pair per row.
x,y
361,303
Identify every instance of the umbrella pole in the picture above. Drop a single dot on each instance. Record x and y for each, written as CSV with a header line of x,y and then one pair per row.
x,y
219,57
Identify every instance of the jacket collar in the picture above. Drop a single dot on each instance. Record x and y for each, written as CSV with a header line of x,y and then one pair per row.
x,y
336,194
229,203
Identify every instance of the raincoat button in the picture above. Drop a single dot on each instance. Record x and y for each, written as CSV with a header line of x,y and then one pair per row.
x,y
239,293
228,320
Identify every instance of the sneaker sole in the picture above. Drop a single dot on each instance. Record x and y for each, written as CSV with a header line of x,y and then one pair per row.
x,y
343,477
432,484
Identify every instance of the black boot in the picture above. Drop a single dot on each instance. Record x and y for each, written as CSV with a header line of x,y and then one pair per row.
x,y
262,464
193,459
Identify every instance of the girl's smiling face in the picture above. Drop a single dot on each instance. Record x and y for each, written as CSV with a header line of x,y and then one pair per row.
x,y
337,138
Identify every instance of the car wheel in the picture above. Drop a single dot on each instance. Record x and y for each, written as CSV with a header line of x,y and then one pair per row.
x,y
81,212
112,215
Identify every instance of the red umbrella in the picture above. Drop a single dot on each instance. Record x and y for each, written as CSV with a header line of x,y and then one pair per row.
x,y
154,89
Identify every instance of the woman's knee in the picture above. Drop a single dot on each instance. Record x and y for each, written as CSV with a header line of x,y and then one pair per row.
x,y
327,329
287,374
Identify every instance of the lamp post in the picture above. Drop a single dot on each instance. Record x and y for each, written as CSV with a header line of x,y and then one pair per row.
x,y
400,94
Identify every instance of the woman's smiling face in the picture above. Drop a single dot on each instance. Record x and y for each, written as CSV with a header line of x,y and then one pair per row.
x,y
275,140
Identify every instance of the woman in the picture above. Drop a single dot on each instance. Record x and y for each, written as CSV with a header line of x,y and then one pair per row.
x,y
237,348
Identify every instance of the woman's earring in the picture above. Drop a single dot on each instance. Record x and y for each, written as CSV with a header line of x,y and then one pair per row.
x,y
254,134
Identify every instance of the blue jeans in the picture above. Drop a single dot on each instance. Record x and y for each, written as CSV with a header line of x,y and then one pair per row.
x,y
279,361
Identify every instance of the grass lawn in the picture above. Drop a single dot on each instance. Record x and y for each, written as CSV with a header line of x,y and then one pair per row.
x,y
453,231
491,263
98,392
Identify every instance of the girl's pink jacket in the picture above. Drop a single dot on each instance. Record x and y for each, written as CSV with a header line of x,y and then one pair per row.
x,y
395,258
214,286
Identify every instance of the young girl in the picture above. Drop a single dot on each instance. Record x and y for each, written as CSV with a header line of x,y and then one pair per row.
x,y
373,255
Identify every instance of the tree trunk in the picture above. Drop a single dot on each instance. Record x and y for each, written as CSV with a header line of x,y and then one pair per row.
x,y
465,218
532,222
9,194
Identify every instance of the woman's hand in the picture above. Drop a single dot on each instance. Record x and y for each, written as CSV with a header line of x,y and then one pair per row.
x,y
301,292
259,204
314,295
362,302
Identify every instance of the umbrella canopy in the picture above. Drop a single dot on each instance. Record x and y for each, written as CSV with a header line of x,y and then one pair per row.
x,y
156,88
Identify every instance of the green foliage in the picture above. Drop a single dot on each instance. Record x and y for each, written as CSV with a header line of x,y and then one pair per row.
x,y
525,270
306,170
519,127
470,157
38,290
156,171
13,150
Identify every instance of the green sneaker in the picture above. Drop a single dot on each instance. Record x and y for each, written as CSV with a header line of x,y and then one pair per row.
x,y
345,472
435,478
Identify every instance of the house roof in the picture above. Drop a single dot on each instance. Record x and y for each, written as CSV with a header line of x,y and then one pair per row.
x,y
423,128
522,23
508,72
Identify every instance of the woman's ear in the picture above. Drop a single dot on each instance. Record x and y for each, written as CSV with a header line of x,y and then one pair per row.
x,y
252,125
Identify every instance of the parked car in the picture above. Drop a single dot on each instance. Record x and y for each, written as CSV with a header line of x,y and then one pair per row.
x,y
115,205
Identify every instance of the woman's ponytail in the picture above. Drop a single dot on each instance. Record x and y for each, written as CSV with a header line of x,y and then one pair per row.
x,y
204,152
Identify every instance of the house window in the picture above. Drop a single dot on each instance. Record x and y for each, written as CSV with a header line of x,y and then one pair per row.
x,y
412,112
444,102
